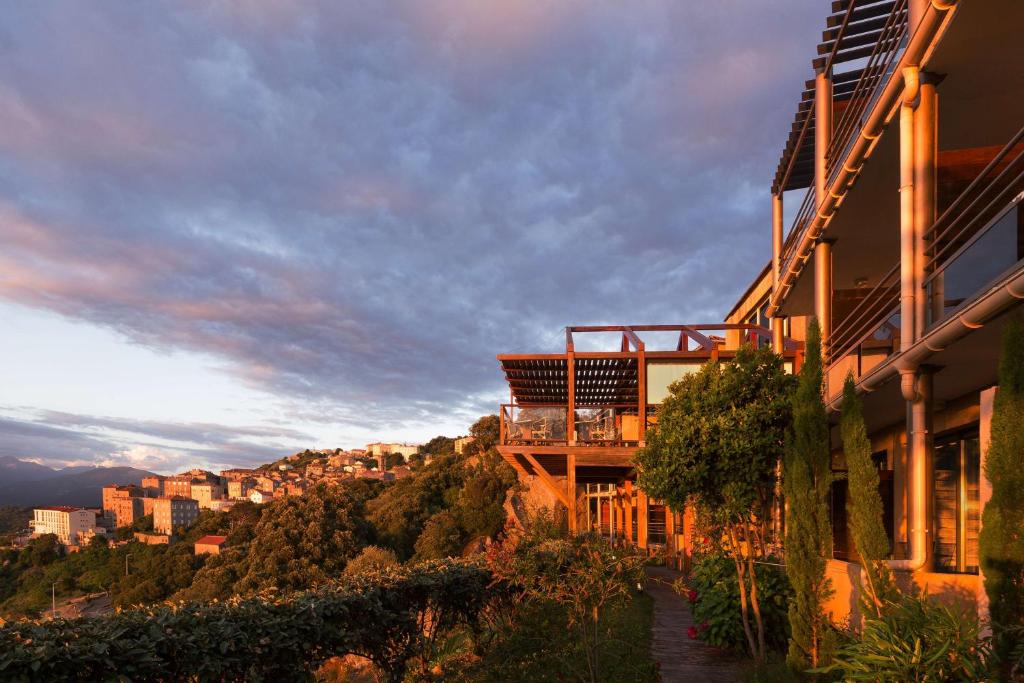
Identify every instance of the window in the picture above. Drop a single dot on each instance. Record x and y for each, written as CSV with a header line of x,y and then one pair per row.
x,y
957,501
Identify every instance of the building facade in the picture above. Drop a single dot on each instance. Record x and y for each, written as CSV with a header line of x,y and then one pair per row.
x,y
905,163
172,512
68,524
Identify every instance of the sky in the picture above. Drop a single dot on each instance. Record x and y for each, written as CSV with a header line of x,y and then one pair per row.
x,y
233,230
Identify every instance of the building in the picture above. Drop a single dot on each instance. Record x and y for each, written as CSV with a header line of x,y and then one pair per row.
x,y
180,485
126,510
205,493
152,539
259,496
905,161
68,524
114,492
461,443
173,512
577,419
210,545
153,486
238,489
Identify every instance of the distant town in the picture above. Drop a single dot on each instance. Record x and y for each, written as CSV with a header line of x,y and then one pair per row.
x,y
174,502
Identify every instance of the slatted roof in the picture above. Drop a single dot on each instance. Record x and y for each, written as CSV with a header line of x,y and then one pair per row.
x,y
599,381
857,25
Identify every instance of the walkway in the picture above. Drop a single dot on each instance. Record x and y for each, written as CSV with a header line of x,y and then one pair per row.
x,y
683,660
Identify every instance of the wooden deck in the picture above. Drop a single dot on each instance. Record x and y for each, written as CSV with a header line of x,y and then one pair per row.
x,y
681,659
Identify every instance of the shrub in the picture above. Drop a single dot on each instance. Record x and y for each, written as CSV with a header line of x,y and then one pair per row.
x,y
382,616
713,591
915,639
371,559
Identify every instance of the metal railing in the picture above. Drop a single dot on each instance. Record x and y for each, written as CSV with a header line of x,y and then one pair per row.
x,y
863,322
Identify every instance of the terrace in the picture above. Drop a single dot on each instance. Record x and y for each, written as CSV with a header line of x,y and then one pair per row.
x,y
576,419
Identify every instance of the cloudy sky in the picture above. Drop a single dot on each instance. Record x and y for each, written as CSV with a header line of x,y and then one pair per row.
x,y
230,230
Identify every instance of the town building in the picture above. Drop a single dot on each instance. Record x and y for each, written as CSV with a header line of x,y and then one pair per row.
x,y
577,419
462,443
114,492
180,485
239,489
68,524
126,510
259,496
153,486
173,512
210,545
205,493
152,539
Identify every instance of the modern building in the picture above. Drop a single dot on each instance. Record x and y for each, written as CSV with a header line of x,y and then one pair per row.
x,y
68,524
577,418
461,443
173,512
905,170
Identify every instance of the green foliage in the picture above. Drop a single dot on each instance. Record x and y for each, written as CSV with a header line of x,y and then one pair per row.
x,y
371,559
381,616
915,639
1001,544
583,575
442,536
439,445
719,436
865,504
301,541
717,444
13,521
807,480
485,432
713,591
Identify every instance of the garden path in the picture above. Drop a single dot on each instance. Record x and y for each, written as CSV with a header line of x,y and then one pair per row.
x,y
681,659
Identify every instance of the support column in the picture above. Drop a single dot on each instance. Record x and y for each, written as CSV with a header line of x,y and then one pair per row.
x,y
916,10
628,532
641,519
926,152
823,249
570,480
908,276
777,336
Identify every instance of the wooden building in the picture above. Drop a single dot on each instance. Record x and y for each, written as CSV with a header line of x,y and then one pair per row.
x,y
575,420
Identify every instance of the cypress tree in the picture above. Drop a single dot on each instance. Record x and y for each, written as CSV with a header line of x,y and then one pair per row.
x,y
865,505
1001,543
807,478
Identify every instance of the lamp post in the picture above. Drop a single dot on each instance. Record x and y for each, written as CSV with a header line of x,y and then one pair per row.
x,y
126,556
53,598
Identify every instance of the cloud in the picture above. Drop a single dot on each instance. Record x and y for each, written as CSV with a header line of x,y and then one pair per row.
x,y
358,204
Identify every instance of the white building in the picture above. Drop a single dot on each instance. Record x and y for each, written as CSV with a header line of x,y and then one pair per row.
x,y
69,524
260,497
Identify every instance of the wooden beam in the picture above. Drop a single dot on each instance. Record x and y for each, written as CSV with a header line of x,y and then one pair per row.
x,y
570,480
629,513
547,479
570,421
641,519
641,373
569,346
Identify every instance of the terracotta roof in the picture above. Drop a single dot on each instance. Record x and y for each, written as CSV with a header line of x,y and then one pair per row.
x,y
212,540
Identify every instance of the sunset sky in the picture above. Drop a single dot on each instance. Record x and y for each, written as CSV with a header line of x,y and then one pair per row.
x,y
233,230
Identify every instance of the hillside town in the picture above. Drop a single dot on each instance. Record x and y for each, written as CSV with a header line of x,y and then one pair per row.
x,y
165,506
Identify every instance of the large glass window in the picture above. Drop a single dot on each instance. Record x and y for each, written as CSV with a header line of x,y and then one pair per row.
x,y
957,501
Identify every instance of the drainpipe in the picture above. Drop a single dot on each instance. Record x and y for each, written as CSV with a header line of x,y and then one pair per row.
x,y
777,338
926,144
823,248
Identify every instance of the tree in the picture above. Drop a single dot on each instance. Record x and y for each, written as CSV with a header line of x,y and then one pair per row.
x,y
371,559
485,432
717,444
442,537
807,480
439,445
1001,544
865,504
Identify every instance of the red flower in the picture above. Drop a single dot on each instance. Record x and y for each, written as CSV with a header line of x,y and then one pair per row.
x,y
692,632
704,626
692,596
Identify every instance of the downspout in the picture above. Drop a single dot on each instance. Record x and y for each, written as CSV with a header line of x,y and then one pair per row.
x,y
914,385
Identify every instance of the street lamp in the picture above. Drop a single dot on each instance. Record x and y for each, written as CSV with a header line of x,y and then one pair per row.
x,y
53,598
126,556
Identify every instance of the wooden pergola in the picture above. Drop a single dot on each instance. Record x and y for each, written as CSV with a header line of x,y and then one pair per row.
x,y
575,420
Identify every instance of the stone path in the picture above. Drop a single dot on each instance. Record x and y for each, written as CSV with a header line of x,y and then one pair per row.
x,y
683,660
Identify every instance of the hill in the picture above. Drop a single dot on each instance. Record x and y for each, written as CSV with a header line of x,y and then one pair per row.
x,y
77,486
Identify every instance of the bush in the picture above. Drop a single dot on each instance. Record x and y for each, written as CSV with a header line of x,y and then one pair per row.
x,y
371,559
713,591
915,639
380,616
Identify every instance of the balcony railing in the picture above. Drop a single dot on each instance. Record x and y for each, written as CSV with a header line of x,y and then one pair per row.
x,y
533,425
546,425
979,237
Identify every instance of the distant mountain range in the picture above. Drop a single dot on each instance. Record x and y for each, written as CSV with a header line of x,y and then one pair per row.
x,y
29,484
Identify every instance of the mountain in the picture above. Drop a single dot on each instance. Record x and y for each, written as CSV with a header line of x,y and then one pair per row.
x,y
13,470
78,487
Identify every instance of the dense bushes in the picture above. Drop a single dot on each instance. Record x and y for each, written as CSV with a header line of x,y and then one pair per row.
x,y
381,616
713,591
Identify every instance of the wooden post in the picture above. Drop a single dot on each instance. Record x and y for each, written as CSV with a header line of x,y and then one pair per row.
x,y
629,514
570,480
641,520
670,534
641,377
570,417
